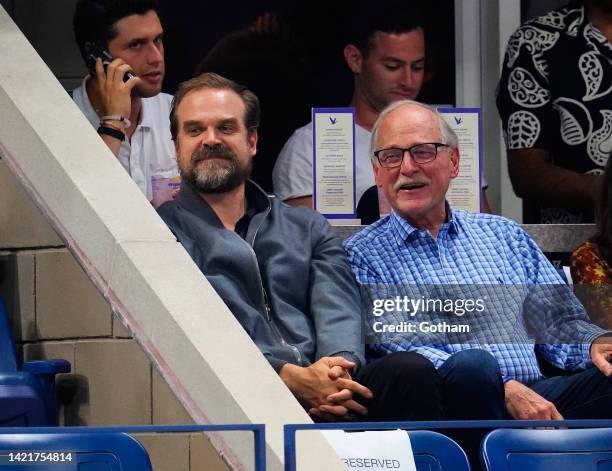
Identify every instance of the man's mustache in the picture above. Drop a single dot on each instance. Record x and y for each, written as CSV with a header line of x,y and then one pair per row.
x,y
400,183
218,150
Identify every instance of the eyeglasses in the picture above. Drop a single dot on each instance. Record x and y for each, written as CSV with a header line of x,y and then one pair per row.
x,y
420,153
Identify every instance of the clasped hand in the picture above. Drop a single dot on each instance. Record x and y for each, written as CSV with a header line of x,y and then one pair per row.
x,y
326,388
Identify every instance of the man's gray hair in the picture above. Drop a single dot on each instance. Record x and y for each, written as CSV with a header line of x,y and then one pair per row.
x,y
448,135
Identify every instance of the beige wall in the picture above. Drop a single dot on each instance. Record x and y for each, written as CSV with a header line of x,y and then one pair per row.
x,y
57,313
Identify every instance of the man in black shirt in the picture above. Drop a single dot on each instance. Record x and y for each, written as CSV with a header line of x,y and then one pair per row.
x,y
555,101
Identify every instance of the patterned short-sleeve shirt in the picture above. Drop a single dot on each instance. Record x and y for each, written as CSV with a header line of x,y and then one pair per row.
x,y
555,93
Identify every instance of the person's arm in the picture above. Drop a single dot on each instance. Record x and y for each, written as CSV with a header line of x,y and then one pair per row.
x,y
335,313
554,316
535,177
335,302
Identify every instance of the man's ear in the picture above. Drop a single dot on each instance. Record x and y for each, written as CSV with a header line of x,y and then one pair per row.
x,y
353,58
377,170
454,157
252,141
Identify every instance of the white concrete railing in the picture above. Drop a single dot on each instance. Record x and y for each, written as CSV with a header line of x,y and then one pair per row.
x,y
135,262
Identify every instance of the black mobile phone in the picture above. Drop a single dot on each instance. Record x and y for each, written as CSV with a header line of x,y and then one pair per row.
x,y
93,51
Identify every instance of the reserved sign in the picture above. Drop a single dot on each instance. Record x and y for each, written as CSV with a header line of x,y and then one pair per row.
x,y
373,450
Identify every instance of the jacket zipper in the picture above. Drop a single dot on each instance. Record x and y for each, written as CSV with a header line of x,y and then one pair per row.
x,y
265,300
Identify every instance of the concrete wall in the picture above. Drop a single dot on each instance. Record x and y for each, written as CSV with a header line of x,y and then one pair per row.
x,y
56,312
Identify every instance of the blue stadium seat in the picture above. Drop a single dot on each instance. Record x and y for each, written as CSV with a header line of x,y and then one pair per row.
x,y
436,452
89,451
539,450
27,397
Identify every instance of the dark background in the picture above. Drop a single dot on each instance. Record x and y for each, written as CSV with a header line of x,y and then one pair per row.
x,y
293,66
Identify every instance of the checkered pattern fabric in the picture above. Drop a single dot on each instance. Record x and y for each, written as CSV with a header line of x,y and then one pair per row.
x,y
477,250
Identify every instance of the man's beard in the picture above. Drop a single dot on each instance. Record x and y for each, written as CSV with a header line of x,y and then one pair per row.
x,y
221,170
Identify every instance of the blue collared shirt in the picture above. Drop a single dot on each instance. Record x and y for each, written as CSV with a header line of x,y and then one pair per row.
x,y
475,250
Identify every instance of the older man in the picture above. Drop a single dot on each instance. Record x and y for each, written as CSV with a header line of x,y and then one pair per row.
x,y
280,270
426,242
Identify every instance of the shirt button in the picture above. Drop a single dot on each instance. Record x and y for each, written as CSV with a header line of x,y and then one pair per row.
x,y
422,235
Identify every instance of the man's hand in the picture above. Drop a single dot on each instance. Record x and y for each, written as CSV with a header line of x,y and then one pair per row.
x,y
601,354
524,403
115,94
325,388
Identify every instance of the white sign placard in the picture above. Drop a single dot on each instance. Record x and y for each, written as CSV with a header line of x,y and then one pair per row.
x,y
334,162
465,190
373,450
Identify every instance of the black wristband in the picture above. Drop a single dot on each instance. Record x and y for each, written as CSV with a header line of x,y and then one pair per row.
x,y
111,132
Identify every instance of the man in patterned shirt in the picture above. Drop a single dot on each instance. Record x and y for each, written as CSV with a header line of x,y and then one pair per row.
x,y
555,102
425,243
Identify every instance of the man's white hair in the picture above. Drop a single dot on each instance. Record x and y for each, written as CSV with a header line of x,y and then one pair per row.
x,y
448,135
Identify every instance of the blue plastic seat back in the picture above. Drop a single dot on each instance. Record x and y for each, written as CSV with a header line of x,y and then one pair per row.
x,y
8,362
89,451
21,403
539,450
21,396
436,452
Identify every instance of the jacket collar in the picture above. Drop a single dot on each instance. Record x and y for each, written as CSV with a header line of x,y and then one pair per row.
x,y
192,201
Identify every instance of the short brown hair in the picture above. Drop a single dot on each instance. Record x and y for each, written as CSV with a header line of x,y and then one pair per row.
x,y
216,81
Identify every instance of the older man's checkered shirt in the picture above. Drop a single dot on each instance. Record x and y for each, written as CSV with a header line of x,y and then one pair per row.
x,y
473,249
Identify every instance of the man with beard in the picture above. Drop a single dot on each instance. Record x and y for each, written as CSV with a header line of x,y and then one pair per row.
x,y
132,116
280,270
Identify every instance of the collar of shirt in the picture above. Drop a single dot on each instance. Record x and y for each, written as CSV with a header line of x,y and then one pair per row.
x,y
254,204
256,200
403,231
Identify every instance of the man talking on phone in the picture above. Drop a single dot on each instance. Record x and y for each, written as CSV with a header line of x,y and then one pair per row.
x,y
122,44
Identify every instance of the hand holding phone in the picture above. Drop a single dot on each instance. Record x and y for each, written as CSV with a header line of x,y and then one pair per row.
x,y
93,52
114,81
